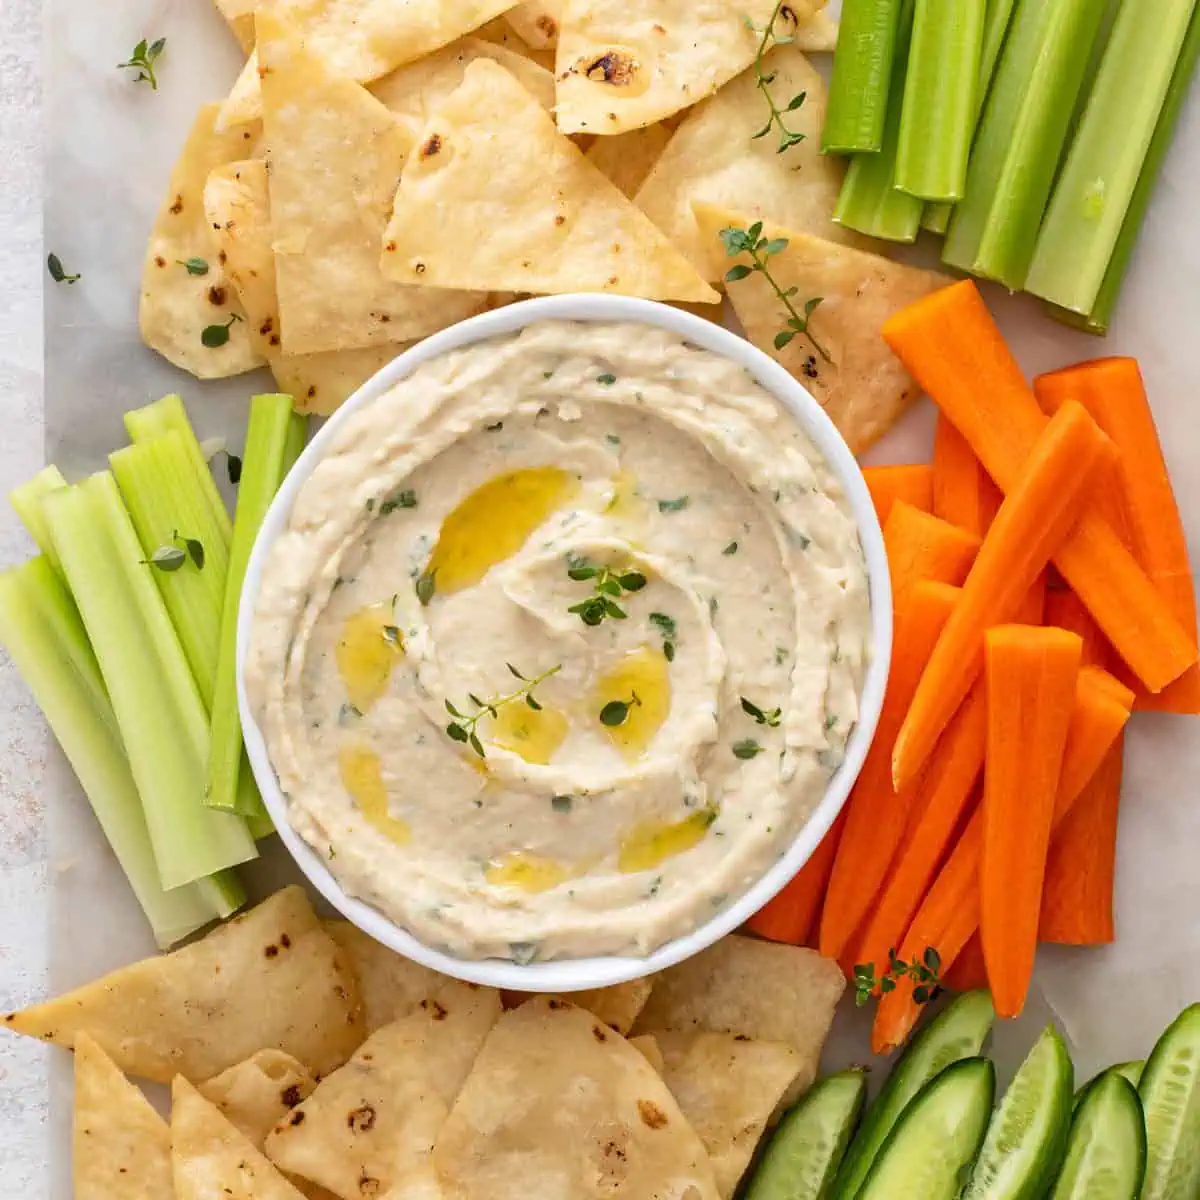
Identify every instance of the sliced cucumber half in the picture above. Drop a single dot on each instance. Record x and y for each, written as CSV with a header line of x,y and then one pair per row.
x,y
806,1150
932,1146
1170,1091
1106,1149
959,1031
1131,1071
1025,1141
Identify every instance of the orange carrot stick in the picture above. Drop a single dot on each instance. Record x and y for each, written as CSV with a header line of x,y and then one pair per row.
x,y
1113,391
911,483
963,492
1029,528
969,971
1064,609
919,546
876,816
1032,674
950,344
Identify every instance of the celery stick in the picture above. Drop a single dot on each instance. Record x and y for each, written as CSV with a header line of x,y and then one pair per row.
x,y
166,415
158,706
273,433
940,98
27,504
868,202
165,498
995,228
1095,191
862,77
42,631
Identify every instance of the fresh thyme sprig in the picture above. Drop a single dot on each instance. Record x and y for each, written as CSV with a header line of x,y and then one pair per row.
x,y
57,272
925,973
768,717
608,587
760,249
215,336
768,39
142,60
172,556
616,712
462,728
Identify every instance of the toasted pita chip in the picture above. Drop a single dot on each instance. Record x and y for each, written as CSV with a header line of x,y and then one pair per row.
x,y
177,306
269,979
537,22
547,221
865,389
212,1160
121,1146
628,158
255,1095
378,1116
617,1006
501,33
817,35
647,1046
760,990
244,104
560,1105
620,66
728,1087
335,155
715,159
240,16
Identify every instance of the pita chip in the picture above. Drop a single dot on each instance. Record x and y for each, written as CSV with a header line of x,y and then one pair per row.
x,y
537,22
818,34
626,159
255,1095
617,1006
176,306
335,155
714,158
647,1046
121,1146
187,1013
547,222
239,15
865,388
620,67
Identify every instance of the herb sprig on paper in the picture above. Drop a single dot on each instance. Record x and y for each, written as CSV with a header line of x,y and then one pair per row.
x,y
925,973
463,727
145,55
768,37
608,586
57,273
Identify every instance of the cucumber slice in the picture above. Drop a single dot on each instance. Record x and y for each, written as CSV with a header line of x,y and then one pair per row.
x,y
959,1031
1130,1071
806,1150
1027,1136
934,1143
1106,1149
1170,1091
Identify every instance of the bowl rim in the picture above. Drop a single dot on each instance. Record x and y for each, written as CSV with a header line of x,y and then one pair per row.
x,y
577,974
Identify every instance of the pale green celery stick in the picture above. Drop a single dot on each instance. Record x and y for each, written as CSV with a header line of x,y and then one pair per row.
x,y
274,432
868,202
42,631
165,497
862,77
1098,320
158,706
27,504
169,414
1020,143
940,98
1095,191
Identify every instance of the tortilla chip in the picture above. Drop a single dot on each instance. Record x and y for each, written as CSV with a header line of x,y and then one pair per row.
x,y
710,312
335,155
547,221
760,990
271,978
122,1147
501,33
212,1160
647,1046
239,14
715,158
818,34
727,1087
237,207
377,1117
176,306
618,71
628,158
244,104
865,390
537,22
560,1105
255,1095
617,1006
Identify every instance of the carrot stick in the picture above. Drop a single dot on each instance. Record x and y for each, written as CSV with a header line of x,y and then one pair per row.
x,y
913,484
950,344
1030,526
963,492
1113,391
919,546
1077,904
1032,675
876,816
1102,707
969,971
1064,609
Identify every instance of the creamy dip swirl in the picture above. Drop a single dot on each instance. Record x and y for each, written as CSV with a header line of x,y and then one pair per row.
x,y
434,566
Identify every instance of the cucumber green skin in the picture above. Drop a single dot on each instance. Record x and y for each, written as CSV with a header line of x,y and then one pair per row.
x,y
958,1032
892,1173
1131,1072
1173,1146
989,1180
787,1170
1108,1115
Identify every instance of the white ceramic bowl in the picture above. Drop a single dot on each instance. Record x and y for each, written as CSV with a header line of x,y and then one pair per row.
x,y
566,975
